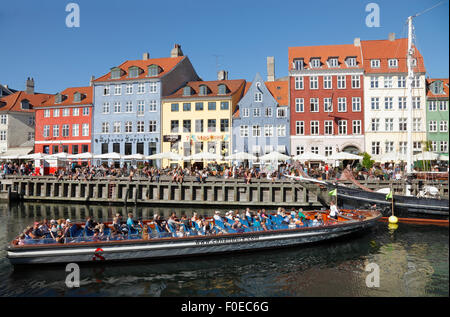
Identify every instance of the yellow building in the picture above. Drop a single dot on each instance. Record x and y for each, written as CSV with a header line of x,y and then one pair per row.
x,y
197,118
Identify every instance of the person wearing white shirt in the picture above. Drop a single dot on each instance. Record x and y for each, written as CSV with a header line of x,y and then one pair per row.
x,y
333,210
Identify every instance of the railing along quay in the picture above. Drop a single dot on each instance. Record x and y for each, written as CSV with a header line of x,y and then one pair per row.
x,y
215,191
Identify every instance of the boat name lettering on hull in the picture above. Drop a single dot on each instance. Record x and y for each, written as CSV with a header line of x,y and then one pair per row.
x,y
227,240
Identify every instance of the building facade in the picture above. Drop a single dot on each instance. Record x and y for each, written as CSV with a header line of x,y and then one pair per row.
x,y
261,121
326,99
127,103
197,118
385,91
437,115
64,121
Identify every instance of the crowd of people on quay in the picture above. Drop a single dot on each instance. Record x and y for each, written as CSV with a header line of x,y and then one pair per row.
x,y
233,221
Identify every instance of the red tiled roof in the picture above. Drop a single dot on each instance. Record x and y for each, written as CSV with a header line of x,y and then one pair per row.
x,y
86,97
213,88
13,101
166,64
324,52
280,91
385,50
445,86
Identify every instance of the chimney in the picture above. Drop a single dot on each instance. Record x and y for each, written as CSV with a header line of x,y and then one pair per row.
x,y
357,42
222,75
176,51
30,86
391,37
145,56
270,68
91,82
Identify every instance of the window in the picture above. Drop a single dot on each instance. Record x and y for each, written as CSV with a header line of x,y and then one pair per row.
x,y
315,127
76,112
199,125
199,106
356,82
299,105
141,88
389,124
299,82
85,129
105,127
393,63
341,82
66,112
74,149
389,146
443,105
356,126
224,105
328,150
375,124
416,102
75,129
342,104
388,103
258,97
416,82
402,124
328,124
298,64
256,112
281,130
432,105
315,149
268,112
333,62
128,127
268,130
46,115
299,127
313,82
117,90
55,149
388,81
3,135
432,126
106,90
315,62
300,150
342,127
174,126
327,105
401,103
56,130
256,131
374,82
356,104
140,126
84,148
244,131
186,126
105,148
128,148
56,112
314,104
443,147
417,146
153,70
85,111
245,112
153,87
224,125
375,63
117,107
212,105
129,106
403,147
222,89
375,148
443,126
46,131
116,73
417,123
129,89
375,103
174,107
281,112
105,108
187,106
351,61
30,136
433,146
117,127
401,81
327,83
203,90
211,125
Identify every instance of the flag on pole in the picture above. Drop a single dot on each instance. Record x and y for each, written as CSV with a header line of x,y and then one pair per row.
x,y
389,195
333,192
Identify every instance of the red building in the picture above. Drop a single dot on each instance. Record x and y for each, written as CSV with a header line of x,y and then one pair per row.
x,y
63,123
326,99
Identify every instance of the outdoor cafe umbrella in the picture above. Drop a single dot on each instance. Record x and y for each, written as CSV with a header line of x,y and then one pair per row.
x,y
240,156
81,156
59,156
275,156
309,156
205,156
390,157
109,156
426,156
344,156
165,155
34,156
137,157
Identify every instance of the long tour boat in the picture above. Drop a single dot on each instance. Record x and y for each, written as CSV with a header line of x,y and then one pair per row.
x,y
149,242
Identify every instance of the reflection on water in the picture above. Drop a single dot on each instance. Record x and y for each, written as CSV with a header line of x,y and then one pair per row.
x,y
413,261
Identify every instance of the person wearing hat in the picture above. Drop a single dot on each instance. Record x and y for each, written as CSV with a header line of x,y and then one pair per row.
x,y
36,233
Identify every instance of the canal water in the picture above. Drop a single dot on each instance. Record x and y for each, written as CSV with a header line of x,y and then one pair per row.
x,y
413,260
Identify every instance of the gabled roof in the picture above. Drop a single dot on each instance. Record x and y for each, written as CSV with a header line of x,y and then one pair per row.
x,y
166,64
280,91
12,103
324,52
385,50
445,86
69,93
233,86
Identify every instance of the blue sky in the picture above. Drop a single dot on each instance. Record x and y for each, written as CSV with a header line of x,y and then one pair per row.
x,y
239,34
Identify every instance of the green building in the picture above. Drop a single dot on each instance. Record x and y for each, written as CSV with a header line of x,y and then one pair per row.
x,y
437,115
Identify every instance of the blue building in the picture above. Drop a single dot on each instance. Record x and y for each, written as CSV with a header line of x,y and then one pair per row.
x,y
127,103
261,122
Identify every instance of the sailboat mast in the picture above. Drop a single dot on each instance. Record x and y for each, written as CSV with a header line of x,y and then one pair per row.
x,y
409,79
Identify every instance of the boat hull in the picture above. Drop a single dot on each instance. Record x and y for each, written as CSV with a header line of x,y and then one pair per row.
x,y
181,247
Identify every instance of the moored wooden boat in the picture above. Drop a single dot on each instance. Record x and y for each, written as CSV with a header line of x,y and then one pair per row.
x,y
156,247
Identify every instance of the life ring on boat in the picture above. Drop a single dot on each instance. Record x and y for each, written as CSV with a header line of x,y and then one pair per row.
x,y
98,255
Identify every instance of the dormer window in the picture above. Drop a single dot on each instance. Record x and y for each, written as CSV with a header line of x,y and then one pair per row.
x,y
58,98
187,91
116,73
393,63
222,89
437,88
413,62
76,97
153,70
134,72
203,90
351,62
333,62
298,64
375,63
25,104
315,62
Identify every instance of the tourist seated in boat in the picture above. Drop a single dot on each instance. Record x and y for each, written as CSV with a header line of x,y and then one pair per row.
x,y
36,233
131,224
194,217
70,229
21,239
264,224
60,237
181,232
291,224
44,227
218,218
229,216
185,221
298,221
172,221
89,226
238,226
